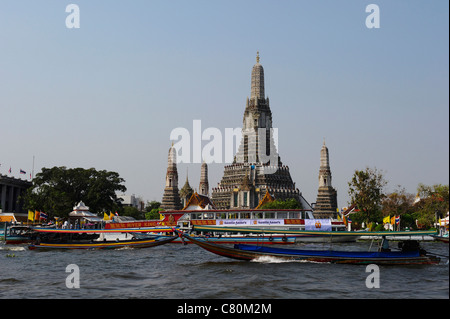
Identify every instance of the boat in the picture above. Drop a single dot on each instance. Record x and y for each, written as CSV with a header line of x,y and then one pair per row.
x,y
91,239
260,239
442,229
442,238
18,234
410,254
294,235
225,223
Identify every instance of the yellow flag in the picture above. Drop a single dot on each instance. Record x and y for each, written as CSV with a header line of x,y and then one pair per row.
x,y
386,220
393,220
105,216
30,215
111,216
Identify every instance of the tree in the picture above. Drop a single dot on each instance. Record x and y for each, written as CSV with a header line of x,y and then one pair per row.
x,y
152,205
289,203
433,204
132,212
366,191
57,190
154,213
399,203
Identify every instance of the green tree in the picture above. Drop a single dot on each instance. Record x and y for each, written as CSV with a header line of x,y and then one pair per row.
x,y
289,203
399,203
57,190
152,205
366,190
154,213
433,204
132,212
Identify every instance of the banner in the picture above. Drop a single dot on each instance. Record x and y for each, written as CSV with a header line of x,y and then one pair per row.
x,y
30,215
318,224
249,222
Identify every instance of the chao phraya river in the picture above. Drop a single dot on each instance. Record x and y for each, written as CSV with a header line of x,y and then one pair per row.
x,y
185,272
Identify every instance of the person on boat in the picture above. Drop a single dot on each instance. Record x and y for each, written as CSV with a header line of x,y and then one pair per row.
x,y
384,245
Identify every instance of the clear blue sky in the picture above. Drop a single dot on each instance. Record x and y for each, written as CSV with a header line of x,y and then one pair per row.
x,y
107,95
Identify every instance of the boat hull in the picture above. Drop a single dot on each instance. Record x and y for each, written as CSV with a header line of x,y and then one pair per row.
x,y
440,238
251,252
13,240
137,243
325,239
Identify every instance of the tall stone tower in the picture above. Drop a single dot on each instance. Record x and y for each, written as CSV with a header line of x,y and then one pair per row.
x,y
171,198
256,168
326,204
203,188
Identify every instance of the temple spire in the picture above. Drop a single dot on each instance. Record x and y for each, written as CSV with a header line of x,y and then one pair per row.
x,y
326,203
257,80
171,197
204,185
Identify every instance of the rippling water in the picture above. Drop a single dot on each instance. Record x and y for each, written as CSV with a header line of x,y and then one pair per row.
x,y
184,272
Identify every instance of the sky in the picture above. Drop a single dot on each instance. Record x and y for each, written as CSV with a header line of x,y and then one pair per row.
x,y
108,94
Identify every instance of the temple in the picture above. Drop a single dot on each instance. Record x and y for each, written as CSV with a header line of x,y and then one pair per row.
x,y
171,198
257,168
326,203
204,185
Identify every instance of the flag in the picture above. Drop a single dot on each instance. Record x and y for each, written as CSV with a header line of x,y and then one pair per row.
x,y
111,216
9,170
43,215
105,216
397,219
393,220
386,220
117,214
30,215
36,215
22,171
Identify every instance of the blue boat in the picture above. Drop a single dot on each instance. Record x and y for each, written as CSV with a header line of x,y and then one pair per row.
x,y
410,254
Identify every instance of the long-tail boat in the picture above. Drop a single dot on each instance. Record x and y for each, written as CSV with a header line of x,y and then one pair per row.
x,y
18,234
410,254
90,239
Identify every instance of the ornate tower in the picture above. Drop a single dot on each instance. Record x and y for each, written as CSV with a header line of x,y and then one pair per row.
x,y
203,188
171,197
326,204
256,168
186,192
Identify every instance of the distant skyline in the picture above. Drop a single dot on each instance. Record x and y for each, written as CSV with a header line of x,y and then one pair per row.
x,y
108,94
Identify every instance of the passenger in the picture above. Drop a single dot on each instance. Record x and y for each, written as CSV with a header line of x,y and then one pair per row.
x,y
385,245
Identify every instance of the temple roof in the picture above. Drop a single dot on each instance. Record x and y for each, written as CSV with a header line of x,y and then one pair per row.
x,y
204,202
266,199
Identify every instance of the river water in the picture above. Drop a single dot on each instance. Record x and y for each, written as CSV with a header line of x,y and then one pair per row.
x,y
183,272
